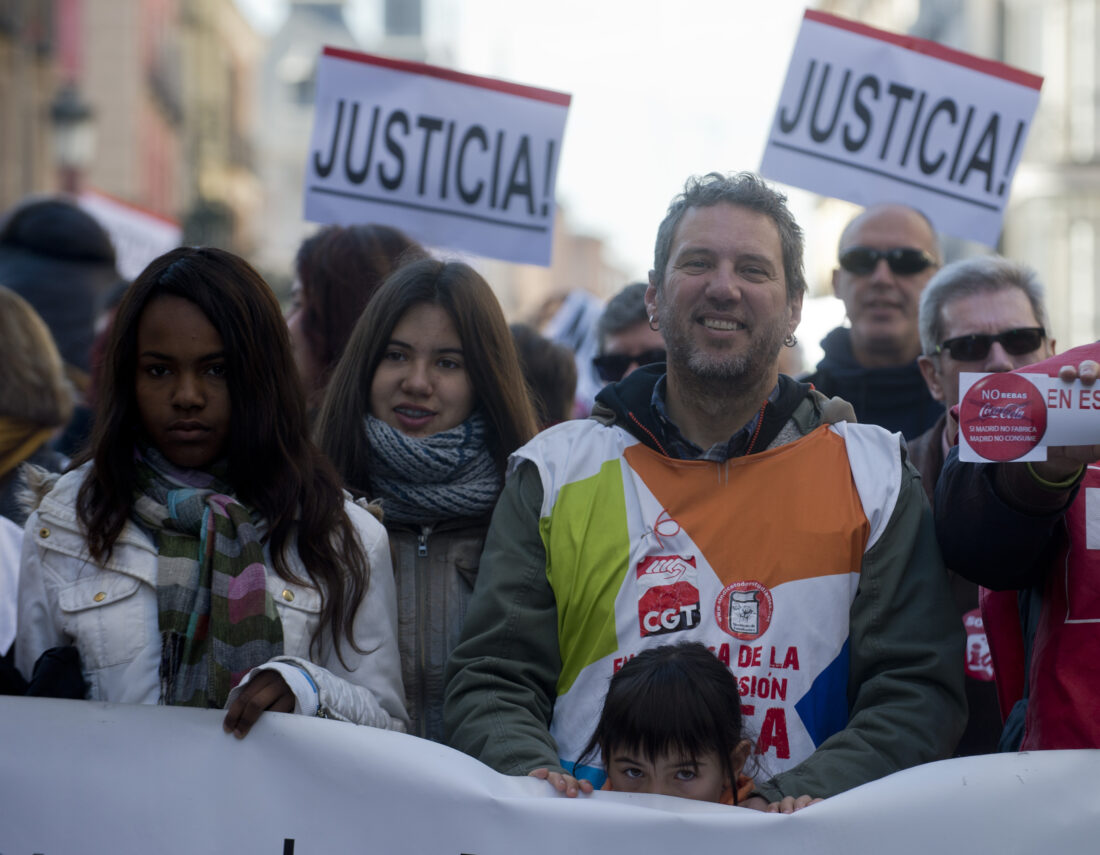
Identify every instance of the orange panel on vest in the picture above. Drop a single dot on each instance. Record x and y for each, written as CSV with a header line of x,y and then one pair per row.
x,y
784,514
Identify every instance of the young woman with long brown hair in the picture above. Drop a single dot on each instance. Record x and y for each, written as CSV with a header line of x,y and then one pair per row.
x,y
422,413
204,553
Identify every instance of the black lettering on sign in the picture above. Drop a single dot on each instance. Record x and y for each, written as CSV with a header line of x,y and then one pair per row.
x,y
929,167
952,139
899,94
358,176
913,129
863,111
402,118
496,169
447,160
1011,156
787,124
822,134
323,169
979,163
430,125
962,142
474,132
516,186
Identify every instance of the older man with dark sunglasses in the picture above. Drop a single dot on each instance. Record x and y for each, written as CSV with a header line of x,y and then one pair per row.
x,y
887,254
982,314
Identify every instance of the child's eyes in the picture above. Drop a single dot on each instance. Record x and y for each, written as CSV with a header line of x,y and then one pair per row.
x,y
686,775
632,772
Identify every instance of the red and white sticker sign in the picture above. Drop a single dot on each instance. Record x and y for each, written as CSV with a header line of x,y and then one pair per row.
x,y
455,160
873,116
744,609
1014,416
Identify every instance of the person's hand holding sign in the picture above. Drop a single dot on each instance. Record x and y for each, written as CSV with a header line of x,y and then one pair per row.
x,y
1061,471
1065,461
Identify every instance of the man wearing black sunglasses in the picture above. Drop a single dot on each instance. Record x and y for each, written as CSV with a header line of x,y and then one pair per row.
x,y
981,314
887,254
627,340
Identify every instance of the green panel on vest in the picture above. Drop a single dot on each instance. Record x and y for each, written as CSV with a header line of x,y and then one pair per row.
x,y
588,549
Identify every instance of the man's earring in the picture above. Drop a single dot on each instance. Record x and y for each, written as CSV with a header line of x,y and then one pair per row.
x,y
790,340
653,325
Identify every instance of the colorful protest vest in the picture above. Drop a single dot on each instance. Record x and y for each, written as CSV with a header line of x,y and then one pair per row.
x,y
758,558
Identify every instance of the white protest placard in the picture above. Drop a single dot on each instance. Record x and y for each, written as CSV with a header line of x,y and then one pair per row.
x,y
1017,416
138,235
871,116
454,160
80,776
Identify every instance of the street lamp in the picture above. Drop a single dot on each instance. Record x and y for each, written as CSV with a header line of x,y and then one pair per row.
x,y
73,122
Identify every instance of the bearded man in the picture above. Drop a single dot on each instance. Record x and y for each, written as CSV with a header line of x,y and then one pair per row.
x,y
712,499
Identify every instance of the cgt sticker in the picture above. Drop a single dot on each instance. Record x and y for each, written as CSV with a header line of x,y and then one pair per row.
x,y
669,599
744,610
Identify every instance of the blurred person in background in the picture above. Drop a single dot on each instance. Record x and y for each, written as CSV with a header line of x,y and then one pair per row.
x,y
422,412
338,269
60,260
36,399
573,323
886,256
628,336
550,372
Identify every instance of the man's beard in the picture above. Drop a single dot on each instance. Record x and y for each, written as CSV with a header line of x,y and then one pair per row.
x,y
740,370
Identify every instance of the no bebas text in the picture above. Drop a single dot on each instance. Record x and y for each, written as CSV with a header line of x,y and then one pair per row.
x,y
440,160
899,124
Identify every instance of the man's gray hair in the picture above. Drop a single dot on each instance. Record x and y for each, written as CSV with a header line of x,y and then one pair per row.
x,y
980,275
624,310
748,191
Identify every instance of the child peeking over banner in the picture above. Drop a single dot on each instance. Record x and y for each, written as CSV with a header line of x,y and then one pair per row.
x,y
671,725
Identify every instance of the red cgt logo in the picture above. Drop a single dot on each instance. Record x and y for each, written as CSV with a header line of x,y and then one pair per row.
x,y
669,601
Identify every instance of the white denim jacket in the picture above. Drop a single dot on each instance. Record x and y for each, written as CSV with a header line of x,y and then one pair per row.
x,y
109,613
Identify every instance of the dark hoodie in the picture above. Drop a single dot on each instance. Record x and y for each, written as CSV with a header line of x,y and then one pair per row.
x,y
895,397
60,260
629,403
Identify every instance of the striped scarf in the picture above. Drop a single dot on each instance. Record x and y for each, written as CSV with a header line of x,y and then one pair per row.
x,y
422,480
216,617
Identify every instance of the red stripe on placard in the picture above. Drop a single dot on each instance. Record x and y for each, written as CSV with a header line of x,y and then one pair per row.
x,y
92,193
933,49
548,95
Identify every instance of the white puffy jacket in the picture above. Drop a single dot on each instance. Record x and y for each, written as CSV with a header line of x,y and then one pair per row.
x,y
110,613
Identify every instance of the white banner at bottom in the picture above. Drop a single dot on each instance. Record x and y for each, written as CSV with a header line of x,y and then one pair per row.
x,y
79,776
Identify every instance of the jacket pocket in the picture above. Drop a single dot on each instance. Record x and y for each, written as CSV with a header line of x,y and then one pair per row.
x,y
106,617
300,613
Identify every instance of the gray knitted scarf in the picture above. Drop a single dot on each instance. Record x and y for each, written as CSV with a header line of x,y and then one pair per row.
x,y
448,475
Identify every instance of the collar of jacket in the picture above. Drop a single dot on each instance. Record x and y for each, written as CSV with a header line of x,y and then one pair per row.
x,y
627,403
